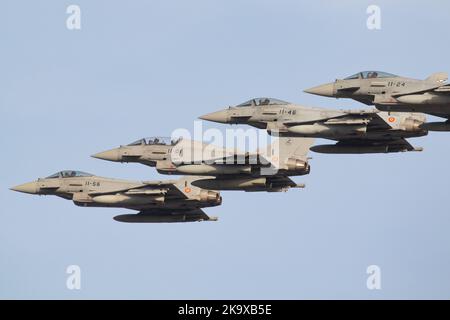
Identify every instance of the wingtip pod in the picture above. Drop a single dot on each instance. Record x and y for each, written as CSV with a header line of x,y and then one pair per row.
x,y
300,185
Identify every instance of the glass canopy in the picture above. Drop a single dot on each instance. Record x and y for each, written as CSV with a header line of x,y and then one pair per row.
x,y
69,174
163,141
262,102
371,75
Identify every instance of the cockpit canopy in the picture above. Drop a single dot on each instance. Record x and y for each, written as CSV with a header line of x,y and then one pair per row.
x,y
163,141
371,75
69,174
262,102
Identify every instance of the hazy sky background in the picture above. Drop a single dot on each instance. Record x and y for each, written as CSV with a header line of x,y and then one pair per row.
x,y
143,68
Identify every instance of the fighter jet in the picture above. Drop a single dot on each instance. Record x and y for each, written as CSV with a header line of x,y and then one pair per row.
x,y
155,201
389,92
356,131
224,169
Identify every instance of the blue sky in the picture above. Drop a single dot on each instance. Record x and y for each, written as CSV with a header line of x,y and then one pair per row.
x,y
143,68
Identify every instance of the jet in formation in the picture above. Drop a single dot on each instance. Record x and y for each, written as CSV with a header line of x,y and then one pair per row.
x,y
401,104
156,201
179,200
389,92
356,131
220,168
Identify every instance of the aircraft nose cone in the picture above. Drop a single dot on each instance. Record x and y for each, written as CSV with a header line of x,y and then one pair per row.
x,y
109,155
30,187
218,116
325,90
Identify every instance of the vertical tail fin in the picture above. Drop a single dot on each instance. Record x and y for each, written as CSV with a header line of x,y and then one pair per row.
x,y
184,185
439,77
285,148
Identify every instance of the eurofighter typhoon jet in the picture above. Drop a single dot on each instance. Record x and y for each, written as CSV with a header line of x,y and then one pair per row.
x,y
155,201
222,169
389,92
356,131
